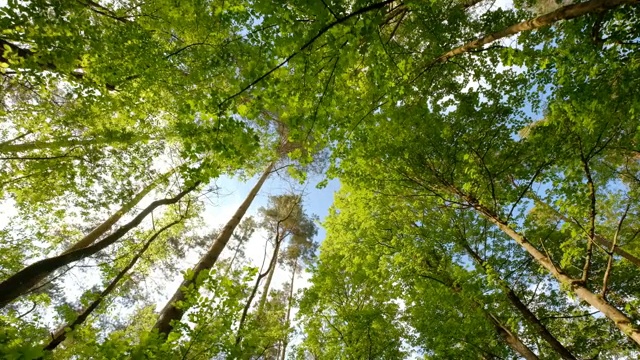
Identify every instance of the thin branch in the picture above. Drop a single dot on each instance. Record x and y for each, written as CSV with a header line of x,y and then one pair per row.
x,y
568,316
35,304
322,31
607,273
395,28
99,9
592,216
526,189
15,138
331,11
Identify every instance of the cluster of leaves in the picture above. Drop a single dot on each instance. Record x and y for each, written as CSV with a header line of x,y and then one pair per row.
x,y
488,159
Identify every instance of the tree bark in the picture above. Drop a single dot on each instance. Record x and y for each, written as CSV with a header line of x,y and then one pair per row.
x,y
67,143
61,334
270,271
564,13
621,321
528,315
171,311
247,305
107,224
466,4
510,338
25,279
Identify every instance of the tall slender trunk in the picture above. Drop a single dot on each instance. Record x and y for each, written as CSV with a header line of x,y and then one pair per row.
x,y
621,321
290,300
171,311
247,305
61,334
69,142
254,291
107,224
272,269
25,279
528,315
564,13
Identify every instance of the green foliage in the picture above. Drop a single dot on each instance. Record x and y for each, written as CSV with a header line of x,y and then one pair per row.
x,y
473,173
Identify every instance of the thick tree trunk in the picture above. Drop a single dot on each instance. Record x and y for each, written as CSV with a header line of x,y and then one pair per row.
x,y
564,13
511,339
290,300
621,321
171,312
529,316
61,334
25,279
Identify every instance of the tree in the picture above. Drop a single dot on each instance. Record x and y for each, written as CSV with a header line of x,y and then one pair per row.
x,y
60,334
488,159
173,311
28,277
287,224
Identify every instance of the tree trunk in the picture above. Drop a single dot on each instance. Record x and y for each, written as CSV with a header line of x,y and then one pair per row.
x,y
171,312
529,316
621,321
466,4
511,339
564,13
233,259
67,143
261,276
61,334
293,277
25,279
107,224
247,305
270,271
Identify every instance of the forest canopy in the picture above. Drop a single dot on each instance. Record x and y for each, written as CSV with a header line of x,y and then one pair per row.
x,y
487,155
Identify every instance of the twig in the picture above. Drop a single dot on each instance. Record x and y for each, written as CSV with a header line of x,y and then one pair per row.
x,y
322,31
592,216
607,273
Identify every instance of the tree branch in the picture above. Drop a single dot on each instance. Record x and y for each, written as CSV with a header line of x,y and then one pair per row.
x,y
326,28
607,272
